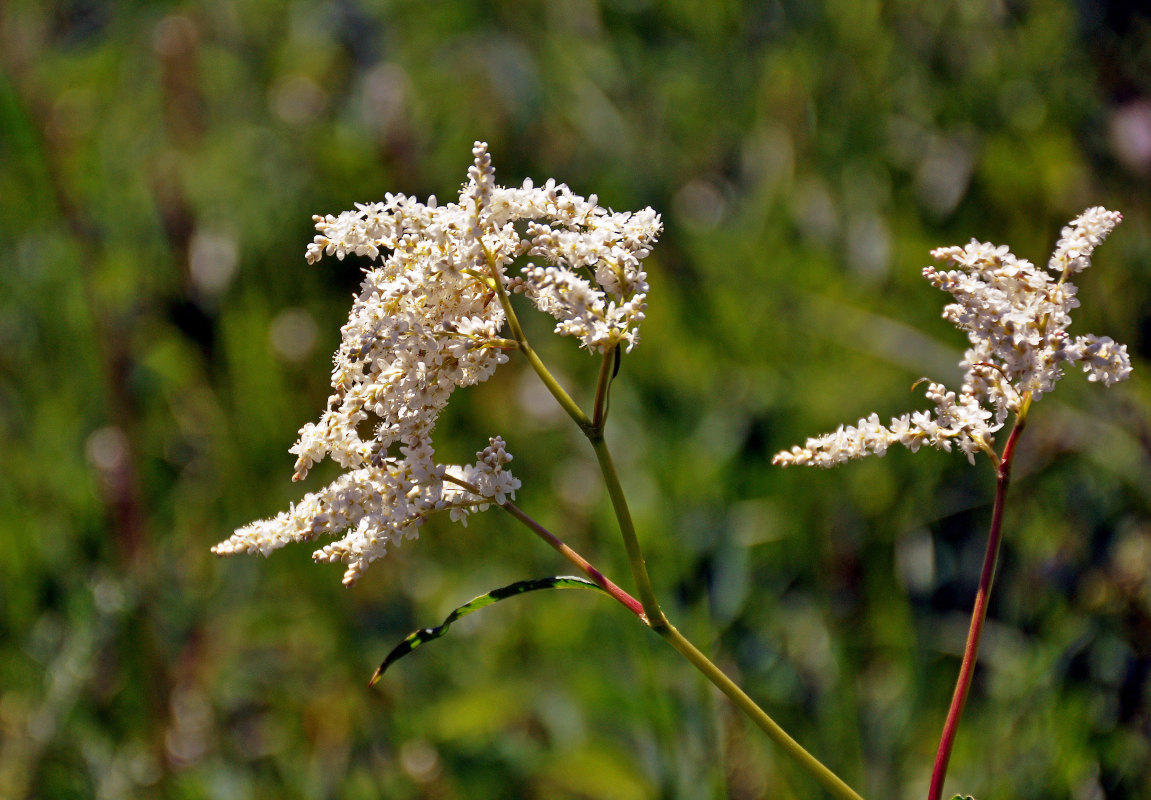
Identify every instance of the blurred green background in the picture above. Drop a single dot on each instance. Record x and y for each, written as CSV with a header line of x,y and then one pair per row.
x,y
162,340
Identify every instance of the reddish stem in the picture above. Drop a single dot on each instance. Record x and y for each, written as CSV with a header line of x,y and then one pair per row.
x,y
597,577
979,612
601,580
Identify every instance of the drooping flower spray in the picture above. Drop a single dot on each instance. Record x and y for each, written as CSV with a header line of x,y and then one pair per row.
x,y
430,318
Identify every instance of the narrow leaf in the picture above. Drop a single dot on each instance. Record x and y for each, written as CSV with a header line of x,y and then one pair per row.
x,y
423,635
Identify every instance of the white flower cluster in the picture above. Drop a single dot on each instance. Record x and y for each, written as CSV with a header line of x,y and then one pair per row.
x,y
594,285
1015,317
428,320
379,505
487,475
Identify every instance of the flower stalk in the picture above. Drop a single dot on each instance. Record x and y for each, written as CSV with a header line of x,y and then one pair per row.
x,y
828,779
581,563
649,610
979,610
553,386
655,616
1015,317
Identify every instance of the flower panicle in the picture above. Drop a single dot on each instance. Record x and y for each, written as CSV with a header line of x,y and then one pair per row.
x,y
427,320
1080,238
1015,317
380,506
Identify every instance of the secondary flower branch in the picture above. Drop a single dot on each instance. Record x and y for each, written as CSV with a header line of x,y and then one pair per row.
x,y
1015,317
979,610
581,563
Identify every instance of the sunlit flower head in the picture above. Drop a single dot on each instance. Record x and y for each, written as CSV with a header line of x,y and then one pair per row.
x,y
429,319
1015,317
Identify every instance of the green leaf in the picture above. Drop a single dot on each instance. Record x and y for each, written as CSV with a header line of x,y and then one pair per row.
x,y
963,797
423,635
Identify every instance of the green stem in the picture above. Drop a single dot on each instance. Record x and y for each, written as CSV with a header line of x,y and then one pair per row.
x,y
602,388
830,781
651,614
659,623
558,392
979,611
672,636
627,530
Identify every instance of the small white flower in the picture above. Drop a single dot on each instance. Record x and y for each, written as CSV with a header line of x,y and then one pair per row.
x,y
1015,317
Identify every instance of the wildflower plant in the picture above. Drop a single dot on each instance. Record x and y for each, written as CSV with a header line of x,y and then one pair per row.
x,y
434,313
1015,316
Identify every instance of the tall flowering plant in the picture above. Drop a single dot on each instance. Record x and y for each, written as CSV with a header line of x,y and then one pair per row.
x,y
1015,316
434,313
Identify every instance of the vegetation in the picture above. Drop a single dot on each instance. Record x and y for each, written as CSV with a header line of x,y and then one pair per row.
x,y
162,339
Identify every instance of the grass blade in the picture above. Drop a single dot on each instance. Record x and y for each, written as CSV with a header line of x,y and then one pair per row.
x,y
424,635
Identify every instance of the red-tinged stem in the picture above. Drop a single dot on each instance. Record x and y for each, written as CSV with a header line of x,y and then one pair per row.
x,y
585,566
597,577
979,612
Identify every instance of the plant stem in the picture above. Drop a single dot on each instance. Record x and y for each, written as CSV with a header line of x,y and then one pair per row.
x,y
629,602
672,636
979,612
659,623
602,388
647,608
627,530
830,781
558,392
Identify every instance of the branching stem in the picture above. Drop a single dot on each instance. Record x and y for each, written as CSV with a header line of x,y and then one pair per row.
x,y
647,607
558,392
830,781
